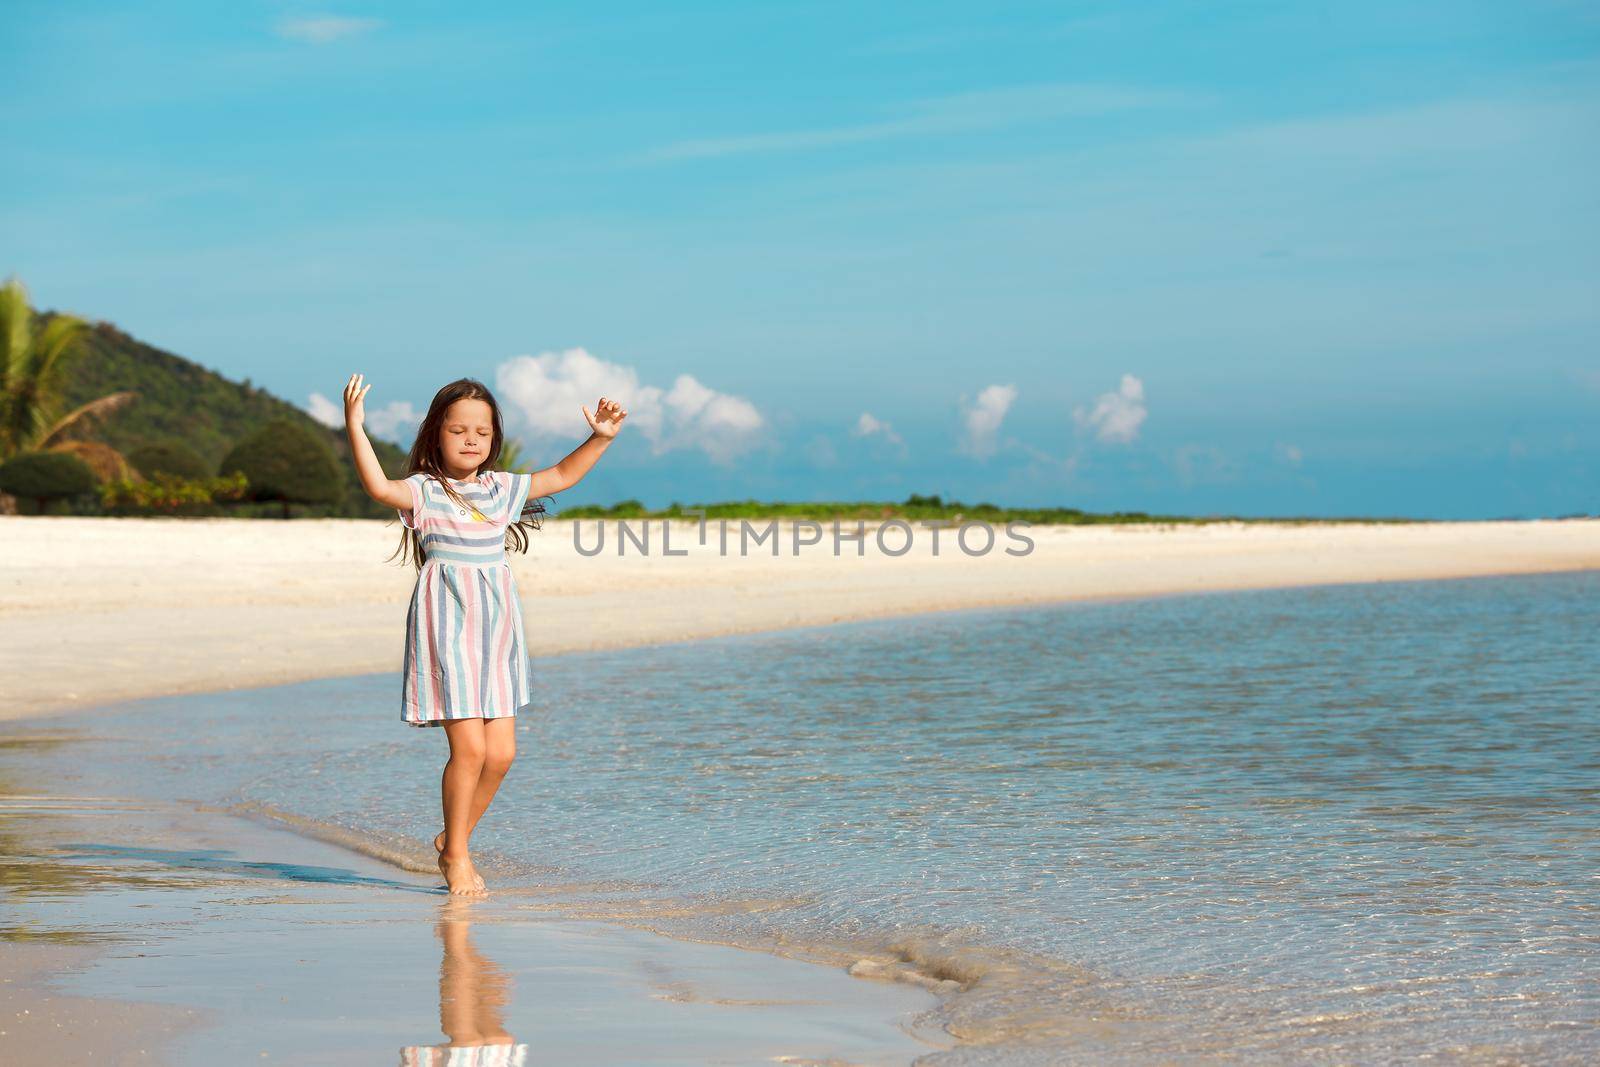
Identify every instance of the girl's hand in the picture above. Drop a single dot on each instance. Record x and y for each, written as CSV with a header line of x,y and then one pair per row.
x,y
607,419
355,408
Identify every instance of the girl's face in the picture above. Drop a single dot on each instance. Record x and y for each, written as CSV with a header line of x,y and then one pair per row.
x,y
466,436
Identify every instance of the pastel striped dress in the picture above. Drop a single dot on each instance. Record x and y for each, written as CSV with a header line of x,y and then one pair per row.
x,y
465,655
464,1056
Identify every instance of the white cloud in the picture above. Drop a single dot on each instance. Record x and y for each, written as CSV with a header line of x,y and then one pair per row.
x,y
1115,417
721,425
1290,454
325,29
395,421
325,411
868,425
982,419
547,390
869,428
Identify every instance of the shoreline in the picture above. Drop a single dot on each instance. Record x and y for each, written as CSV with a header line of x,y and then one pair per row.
x,y
130,975
204,605
926,995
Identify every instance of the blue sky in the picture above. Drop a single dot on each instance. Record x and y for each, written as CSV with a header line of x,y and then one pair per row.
x,y
1197,257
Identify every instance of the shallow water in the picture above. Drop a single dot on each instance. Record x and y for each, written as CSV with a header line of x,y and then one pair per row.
x,y
1355,820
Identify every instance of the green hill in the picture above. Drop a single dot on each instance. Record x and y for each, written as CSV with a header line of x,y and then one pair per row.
x,y
179,400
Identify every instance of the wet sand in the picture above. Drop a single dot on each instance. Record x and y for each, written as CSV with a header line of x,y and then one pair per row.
x,y
185,606
149,932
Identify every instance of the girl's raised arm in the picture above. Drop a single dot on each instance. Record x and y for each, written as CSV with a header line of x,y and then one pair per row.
x,y
604,424
377,484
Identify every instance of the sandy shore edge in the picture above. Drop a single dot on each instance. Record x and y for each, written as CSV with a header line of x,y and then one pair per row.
x,y
165,607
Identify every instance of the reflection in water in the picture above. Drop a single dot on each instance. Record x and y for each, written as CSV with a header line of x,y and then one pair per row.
x,y
473,994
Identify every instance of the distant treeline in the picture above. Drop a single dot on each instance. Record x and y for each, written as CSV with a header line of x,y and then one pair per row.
x,y
914,508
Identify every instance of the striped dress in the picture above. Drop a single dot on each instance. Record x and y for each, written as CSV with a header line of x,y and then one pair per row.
x,y
464,1056
465,656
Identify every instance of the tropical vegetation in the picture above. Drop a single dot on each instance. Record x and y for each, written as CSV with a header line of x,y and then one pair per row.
x,y
34,416
154,427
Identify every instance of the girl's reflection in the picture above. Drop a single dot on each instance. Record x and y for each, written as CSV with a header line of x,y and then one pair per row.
x,y
473,993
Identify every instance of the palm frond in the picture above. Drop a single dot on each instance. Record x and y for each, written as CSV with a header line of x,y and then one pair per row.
x,y
35,381
16,328
511,456
86,413
53,344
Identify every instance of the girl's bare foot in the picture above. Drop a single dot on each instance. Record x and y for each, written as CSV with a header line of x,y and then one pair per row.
x,y
438,846
458,876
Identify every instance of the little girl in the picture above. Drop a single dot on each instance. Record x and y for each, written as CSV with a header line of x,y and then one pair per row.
x,y
466,663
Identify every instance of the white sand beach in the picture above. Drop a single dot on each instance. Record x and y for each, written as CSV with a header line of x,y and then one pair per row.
x,y
95,610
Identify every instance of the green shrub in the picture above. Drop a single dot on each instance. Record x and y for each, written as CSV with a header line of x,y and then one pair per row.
x,y
166,494
169,457
284,461
45,476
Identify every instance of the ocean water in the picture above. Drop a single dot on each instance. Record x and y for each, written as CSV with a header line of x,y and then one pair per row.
x,y
1354,822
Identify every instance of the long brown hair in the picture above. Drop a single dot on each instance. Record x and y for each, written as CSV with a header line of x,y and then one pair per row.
x,y
426,458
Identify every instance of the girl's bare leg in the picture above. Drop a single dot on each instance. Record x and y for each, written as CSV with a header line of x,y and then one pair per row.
x,y
468,751
500,750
